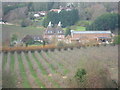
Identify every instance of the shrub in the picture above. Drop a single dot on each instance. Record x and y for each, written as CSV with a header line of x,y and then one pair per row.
x,y
25,23
67,31
80,74
14,37
117,39
97,76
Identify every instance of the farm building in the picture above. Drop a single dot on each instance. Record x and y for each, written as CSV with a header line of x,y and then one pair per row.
x,y
67,8
54,32
56,10
36,15
33,38
87,36
42,13
77,36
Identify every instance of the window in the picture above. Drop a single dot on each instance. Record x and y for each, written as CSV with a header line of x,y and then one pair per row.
x,y
59,36
49,31
59,31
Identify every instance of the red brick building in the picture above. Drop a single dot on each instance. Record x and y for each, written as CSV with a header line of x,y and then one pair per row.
x,y
87,36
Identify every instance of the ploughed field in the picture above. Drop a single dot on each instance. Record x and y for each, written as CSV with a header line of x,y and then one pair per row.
x,y
56,69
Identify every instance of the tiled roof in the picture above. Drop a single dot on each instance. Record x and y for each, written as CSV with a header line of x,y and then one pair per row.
x,y
55,10
54,31
32,37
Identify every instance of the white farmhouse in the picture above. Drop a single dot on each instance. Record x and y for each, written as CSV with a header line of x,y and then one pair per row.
x,y
36,15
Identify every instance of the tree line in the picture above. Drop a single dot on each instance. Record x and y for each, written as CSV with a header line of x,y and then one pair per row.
x,y
67,18
8,8
108,21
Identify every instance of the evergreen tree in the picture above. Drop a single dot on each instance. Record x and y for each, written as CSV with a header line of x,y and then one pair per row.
x,y
67,18
68,31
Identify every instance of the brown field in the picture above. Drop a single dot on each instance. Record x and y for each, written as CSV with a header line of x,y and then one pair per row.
x,y
57,69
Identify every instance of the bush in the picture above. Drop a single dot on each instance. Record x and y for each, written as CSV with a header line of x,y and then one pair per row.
x,y
67,31
25,23
117,39
97,75
14,37
80,74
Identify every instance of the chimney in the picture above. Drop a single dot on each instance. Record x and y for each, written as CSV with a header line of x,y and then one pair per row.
x,y
50,24
59,24
72,31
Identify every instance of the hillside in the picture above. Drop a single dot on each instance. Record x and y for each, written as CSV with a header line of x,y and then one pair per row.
x,y
16,14
87,11
9,30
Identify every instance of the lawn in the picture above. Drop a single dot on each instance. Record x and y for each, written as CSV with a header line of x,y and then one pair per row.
x,y
8,30
76,28
80,28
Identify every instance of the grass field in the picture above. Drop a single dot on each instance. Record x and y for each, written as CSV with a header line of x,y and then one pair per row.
x,y
76,28
8,30
57,69
80,28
